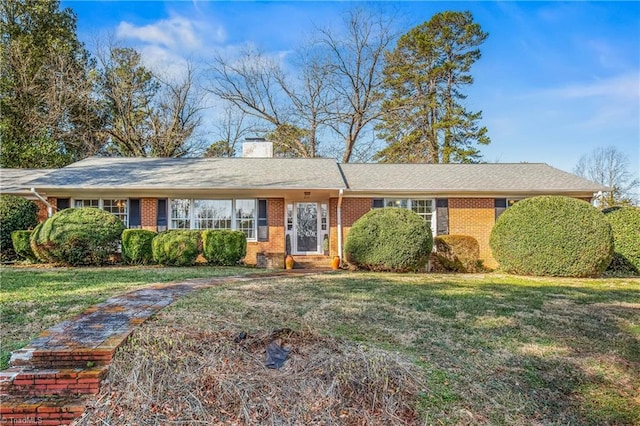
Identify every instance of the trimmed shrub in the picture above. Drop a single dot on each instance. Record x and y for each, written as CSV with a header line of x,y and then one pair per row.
x,y
37,250
457,253
177,247
79,236
16,214
136,246
389,239
223,247
554,236
625,224
22,245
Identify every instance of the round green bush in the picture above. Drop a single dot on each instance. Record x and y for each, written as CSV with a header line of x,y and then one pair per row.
x,y
625,224
389,239
80,236
552,236
176,247
136,246
16,214
223,247
457,253
22,245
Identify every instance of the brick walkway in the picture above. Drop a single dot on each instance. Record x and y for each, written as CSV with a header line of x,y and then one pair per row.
x,y
50,378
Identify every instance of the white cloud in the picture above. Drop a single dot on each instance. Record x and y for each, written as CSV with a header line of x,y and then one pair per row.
x,y
625,86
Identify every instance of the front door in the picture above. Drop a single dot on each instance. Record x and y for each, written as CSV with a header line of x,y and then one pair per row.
x,y
306,228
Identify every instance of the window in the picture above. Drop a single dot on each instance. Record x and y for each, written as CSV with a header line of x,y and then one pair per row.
x,y
423,207
118,208
246,217
323,217
512,201
212,214
86,203
180,214
215,214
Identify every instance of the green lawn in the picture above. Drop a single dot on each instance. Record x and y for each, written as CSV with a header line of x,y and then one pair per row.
x,y
34,299
389,349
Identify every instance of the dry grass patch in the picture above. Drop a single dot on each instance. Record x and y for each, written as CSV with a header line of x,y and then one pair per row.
x,y
389,349
185,375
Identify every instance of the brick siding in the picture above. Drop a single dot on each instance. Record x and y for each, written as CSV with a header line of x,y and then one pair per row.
x,y
275,247
474,217
352,210
149,214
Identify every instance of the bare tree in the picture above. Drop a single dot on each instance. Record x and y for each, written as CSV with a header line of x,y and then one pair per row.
x,y
148,114
233,126
358,59
291,106
609,167
334,89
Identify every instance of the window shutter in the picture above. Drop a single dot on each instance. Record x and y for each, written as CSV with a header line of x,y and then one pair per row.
x,y
442,216
263,224
135,220
377,203
161,221
500,205
63,203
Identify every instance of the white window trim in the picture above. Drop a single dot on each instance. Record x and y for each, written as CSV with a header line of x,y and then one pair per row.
x,y
233,214
101,205
434,216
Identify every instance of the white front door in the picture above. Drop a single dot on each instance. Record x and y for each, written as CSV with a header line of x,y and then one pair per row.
x,y
306,225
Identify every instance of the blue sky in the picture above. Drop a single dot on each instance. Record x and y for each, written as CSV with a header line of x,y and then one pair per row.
x,y
555,80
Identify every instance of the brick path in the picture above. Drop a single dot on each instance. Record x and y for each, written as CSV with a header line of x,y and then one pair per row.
x,y
50,378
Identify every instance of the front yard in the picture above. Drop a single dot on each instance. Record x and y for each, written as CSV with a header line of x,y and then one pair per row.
x,y
34,299
387,349
366,348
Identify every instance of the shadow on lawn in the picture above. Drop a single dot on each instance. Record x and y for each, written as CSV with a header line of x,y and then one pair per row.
x,y
553,353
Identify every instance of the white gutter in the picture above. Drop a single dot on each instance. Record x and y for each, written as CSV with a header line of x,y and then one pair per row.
x,y
340,193
44,200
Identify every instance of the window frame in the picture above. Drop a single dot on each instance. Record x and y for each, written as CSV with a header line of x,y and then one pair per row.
x,y
409,205
192,218
72,204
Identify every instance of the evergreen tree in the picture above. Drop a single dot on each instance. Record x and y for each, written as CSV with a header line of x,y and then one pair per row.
x,y
49,116
424,118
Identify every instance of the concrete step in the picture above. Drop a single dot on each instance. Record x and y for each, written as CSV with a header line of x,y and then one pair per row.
x,y
51,382
312,262
40,411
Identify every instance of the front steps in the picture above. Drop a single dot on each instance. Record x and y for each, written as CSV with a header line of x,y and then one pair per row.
x,y
318,261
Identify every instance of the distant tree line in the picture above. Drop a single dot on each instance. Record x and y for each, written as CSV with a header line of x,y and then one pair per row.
x,y
343,90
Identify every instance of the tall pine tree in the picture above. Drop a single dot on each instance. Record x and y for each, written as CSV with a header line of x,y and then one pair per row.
x,y
49,117
424,119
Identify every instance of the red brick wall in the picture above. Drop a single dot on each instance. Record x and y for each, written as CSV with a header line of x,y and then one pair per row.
x,y
474,217
43,213
352,210
149,213
276,243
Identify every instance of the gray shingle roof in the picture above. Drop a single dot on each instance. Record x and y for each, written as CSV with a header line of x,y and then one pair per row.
x,y
14,180
298,173
195,173
442,178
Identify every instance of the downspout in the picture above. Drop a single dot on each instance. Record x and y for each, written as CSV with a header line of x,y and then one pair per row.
x,y
44,200
340,193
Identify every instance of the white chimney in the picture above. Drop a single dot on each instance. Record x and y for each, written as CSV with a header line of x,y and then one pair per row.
x,y
257,148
